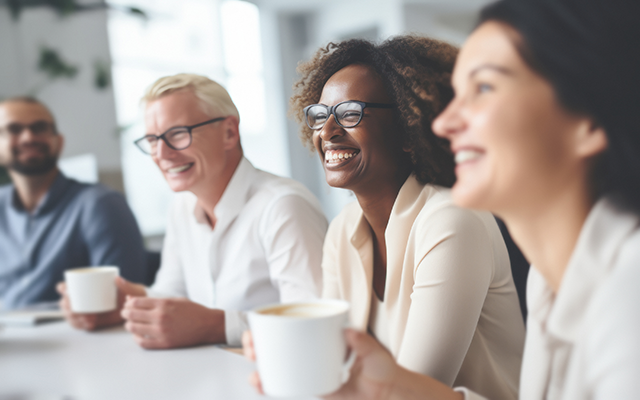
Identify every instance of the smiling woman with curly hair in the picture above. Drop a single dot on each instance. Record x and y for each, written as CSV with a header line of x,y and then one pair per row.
x,y
429,280
416,73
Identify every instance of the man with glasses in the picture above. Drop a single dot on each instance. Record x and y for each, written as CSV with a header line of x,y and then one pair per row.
x,y
236,238
49,223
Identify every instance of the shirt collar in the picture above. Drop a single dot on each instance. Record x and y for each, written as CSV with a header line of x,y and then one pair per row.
x,y
234,197
403,207
50,199
599,242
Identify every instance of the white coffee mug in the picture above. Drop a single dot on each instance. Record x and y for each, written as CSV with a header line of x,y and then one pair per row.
x,y
300,347
92,289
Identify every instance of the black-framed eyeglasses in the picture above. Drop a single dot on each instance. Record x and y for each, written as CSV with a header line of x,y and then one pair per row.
x,y
38,128
347,113
177,138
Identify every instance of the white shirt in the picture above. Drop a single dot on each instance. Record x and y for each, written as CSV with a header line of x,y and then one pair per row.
x,y
265,247
584,342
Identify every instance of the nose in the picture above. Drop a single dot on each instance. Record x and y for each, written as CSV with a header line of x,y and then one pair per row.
x,y
27,133
163,150
450,121
331,129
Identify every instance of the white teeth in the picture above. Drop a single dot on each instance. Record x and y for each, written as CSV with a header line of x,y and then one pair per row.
x,y
334,156
179,169
467,155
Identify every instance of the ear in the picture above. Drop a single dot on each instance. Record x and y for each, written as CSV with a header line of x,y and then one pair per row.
x,y
231,133
591,140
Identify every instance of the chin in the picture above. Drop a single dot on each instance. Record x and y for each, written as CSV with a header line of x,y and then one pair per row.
x,y
468,197
177,185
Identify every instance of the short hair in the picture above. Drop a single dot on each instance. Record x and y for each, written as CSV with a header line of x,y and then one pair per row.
x,y
416,72
213,96
588,50
32,100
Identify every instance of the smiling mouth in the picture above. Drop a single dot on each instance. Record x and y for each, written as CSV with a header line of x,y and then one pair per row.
x,y
463,156
335,157
182,168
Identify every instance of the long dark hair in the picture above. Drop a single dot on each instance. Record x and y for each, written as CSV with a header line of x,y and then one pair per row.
x,y
589,50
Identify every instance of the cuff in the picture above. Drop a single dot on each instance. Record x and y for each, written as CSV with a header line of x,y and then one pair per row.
x,y
468,394
235,323
154,294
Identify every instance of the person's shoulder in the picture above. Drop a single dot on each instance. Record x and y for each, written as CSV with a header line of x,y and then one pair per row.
x,y
270,189
440,210
346,220
5,194
612,326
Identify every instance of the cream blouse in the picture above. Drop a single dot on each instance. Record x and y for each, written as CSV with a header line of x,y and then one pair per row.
x,y
584,341
451,307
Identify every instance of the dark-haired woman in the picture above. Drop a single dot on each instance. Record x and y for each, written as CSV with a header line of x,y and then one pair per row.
x,y
431,281
545,128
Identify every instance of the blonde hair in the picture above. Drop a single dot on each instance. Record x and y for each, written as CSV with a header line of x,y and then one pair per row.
x,y
213,96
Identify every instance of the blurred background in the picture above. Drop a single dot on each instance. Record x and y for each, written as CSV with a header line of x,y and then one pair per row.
x,y
90,62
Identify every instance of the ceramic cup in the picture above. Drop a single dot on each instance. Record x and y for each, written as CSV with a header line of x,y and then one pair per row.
x,y
300,347
92,289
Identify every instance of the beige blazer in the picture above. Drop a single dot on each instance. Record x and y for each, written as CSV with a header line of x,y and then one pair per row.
x,y
451,304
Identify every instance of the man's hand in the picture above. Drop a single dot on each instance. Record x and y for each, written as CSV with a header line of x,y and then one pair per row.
x,y
169,323
90,322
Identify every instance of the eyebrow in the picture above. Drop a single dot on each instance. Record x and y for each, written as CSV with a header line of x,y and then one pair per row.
x,y
493,67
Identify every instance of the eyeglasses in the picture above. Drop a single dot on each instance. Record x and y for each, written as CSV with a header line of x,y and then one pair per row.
x,y
177,138
38,128
347,113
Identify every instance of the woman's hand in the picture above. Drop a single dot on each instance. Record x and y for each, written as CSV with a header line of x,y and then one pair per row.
x,y
375,374
371,376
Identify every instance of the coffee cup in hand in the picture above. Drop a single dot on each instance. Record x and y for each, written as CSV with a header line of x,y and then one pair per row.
x,y
300,347
92,289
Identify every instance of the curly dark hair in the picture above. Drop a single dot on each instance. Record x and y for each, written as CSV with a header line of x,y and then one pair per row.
x,y
416,72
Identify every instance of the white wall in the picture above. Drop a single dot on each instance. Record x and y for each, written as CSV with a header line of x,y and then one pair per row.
x,y
306,25
85,115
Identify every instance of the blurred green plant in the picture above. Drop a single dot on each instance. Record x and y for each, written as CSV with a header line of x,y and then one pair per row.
x,y
101,74
66,7
50,62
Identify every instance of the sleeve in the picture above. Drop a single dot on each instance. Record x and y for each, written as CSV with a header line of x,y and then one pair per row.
x,y
294,231
468,394
170,277
451,281
113,237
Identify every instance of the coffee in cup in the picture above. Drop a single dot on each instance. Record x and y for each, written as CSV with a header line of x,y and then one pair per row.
x,y
300,347
92,289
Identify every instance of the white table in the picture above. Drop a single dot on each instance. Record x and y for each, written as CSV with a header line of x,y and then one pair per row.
x,y
55,361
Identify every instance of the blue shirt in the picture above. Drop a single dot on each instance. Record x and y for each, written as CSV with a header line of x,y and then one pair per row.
x,y
75,225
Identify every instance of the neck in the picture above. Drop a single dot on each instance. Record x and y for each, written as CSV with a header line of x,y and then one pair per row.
x,y
547,232
32,188
211,192
377,203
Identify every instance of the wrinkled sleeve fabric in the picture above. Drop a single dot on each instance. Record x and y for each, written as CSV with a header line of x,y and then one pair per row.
x,y
610,354
468,394
292,232
113,237
451,281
